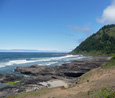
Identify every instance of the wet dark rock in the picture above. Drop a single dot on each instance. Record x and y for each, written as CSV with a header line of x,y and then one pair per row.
x,y
9,78
5,88
36,80
37,66
33,70
73,74
73,69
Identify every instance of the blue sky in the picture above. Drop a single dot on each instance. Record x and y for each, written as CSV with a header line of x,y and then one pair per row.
x,y
53,25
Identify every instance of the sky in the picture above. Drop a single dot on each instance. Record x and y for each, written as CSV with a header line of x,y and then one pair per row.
x,y
52,25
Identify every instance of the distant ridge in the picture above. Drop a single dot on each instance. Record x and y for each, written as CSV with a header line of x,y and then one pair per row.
x,y
102,42
18,50
28,50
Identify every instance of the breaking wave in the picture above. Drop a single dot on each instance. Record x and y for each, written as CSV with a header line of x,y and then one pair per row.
x,y
41,61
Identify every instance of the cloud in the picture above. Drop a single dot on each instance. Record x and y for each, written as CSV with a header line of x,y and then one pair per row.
x,y
80,29
108,16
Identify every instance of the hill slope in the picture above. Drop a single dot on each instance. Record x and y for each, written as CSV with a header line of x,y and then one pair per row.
x,y
102,42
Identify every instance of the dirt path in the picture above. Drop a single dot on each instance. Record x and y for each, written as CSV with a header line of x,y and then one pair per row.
x,y
97,79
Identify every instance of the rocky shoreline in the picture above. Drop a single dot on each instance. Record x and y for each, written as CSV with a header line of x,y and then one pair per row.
x,y
47,77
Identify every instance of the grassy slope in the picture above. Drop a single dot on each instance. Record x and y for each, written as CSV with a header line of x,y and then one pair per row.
x,y
31,93
105,90
110,63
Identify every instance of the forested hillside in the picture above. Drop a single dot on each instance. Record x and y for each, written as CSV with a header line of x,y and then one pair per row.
x,y
102,42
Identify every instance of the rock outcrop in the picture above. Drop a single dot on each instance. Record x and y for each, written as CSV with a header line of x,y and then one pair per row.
x,y
9,78
73,69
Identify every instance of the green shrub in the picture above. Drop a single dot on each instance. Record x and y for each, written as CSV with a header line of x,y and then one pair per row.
x,y
110,63
113,58
105,93
111,95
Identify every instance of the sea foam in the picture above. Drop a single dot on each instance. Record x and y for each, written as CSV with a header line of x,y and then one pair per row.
x,y
47,61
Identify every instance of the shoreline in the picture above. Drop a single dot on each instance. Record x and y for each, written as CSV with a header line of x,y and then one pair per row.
x,y
45,77
7,65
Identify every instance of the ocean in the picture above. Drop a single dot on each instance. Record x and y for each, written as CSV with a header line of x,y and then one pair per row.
x,y
10,60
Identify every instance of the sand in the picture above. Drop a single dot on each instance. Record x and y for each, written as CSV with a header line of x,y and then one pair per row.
x,y
55,83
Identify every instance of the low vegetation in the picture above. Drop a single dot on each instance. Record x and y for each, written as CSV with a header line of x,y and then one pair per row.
x,y
98,93
33,93
110,63
15,83
84,77
102,93
105,93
